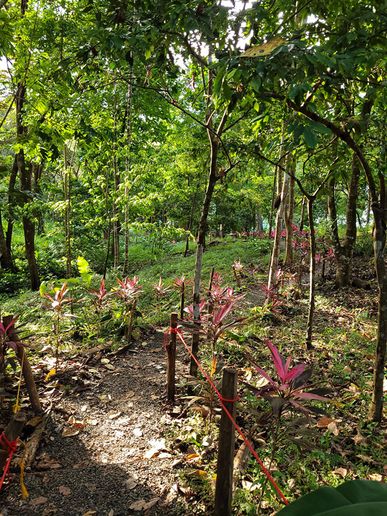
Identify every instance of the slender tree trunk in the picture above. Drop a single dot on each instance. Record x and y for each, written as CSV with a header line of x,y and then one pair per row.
x,y
273,198
289,214
201,237
129,105
368,214
5,257
116,222
344,251
312,273
12,201
380,221
67,213
25,184
278,228
36,175
25,178
302,218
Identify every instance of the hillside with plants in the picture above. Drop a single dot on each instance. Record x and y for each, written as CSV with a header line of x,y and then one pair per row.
x,y
193,286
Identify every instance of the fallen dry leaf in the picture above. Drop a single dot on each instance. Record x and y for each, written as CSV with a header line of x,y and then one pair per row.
x,y
192,457
46,462
70,432
40,500
342,472
131,483
324,422
149,454
143,505
115,415
64,490
332,427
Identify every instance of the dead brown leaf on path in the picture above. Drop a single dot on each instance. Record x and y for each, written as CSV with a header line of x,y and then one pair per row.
x,y
324,422
332,427
46,462
342,472
143,505
64,490
40,500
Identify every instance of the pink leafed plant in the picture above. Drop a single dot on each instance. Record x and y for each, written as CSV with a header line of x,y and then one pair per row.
x,y
128,288
59,298
160,289
289,386
57,303
100,295
4,329
190,309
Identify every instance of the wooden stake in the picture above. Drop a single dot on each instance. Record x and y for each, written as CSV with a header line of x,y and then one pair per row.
x,y
193,368
12,432
182,300
224,475
171,366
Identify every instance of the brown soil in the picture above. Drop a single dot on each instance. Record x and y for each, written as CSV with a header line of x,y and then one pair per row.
x,y
119,412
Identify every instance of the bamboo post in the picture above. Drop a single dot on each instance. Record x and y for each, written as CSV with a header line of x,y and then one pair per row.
x,y
193,368
12,432
224,472
171,355
182,300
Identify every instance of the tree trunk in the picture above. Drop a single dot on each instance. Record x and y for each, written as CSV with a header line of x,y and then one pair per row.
x,y
67,213
128,130
344,251
289,214
5,256
278,228
312,273
28,223
116,222
25,175
37,170
380,220
302,218
12,201
201,237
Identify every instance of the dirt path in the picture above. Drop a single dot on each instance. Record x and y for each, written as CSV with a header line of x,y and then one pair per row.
x,y
116,464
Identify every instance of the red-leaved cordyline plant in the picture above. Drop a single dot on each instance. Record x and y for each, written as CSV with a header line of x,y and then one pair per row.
x,y
273,299
128,290
57,303
190,309
213,323
100,295
180,282
288,388
4,329
237,268
6,342
160,289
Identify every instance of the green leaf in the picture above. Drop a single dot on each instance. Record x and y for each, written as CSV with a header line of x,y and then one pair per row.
x,y
353,498
83,265
310,137
42,289
256,83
